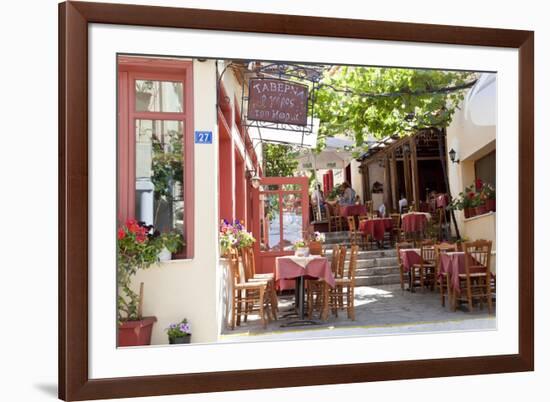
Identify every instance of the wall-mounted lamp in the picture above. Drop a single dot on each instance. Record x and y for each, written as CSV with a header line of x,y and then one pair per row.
x,y
253,177
452,156
406,149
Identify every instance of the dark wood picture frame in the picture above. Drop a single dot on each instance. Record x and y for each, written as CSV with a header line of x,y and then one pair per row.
x,y
74,382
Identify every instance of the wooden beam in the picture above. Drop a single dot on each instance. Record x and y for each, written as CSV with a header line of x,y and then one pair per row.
x,y
393,175
407,175
414,174
387,184
366,181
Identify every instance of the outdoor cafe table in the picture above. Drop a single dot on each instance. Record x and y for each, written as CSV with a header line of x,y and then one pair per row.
x,y
301,268
353,210
453,264
414,222
410,257
376,227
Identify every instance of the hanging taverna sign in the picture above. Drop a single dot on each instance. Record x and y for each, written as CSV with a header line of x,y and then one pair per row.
x,y
277,101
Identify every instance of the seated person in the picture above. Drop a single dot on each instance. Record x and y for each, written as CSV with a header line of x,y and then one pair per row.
x,y
348,194
382,210
403,204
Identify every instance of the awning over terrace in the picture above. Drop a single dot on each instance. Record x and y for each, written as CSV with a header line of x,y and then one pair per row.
x,y
336,155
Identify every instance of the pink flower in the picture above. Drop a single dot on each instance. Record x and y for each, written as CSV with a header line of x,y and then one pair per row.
x,y
121,234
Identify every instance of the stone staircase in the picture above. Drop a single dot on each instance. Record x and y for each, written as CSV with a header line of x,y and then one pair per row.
x,y
374,267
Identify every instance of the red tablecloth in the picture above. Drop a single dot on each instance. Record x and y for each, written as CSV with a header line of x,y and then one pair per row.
x,y
353,210
414,222
453,264
315,267
376,227
409,257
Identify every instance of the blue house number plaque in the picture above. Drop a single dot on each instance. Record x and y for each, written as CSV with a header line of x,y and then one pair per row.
x,y
203,137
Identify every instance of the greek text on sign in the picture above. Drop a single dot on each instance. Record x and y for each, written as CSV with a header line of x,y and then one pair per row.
x,y
277,101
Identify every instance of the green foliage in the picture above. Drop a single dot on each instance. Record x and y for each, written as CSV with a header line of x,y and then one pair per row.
x,y
173,241
334,193
280,160
386,101
167,166
138,247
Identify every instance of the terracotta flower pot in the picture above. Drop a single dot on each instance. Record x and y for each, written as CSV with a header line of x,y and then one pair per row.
x,y
491,205
315,247
480,209
136,333
180,340
466,213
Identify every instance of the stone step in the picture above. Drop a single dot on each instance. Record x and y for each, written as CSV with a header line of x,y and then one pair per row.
x,y
376,271
373,280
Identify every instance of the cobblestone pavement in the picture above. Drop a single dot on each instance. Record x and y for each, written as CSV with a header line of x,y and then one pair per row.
x,y
384,309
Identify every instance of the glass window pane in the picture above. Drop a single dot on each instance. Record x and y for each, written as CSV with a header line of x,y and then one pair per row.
x,y
159,96
271,227
159,174
292,220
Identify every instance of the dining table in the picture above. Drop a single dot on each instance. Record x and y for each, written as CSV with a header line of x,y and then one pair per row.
x,y
301,268
451,265
413,222
353,210
376,227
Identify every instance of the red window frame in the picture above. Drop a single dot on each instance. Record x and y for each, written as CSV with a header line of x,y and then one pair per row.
x,y
136,68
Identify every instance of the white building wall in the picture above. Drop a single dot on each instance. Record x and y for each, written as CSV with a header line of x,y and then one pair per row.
x,y
357,179
472,134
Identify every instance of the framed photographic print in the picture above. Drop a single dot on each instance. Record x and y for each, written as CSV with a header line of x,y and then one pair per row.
x,y
310,200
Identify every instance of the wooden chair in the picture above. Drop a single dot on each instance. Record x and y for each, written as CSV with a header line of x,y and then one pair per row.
x,y
395,228
316,287
334,219
475,283
343,294
441,277
247,296
369,206
249,264
399,246
423,274
355,236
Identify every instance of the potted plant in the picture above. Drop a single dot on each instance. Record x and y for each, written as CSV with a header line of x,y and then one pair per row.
x,y
468,197
170,242
234,235
489,195
179,333
137,248
479,204
316,243
300,248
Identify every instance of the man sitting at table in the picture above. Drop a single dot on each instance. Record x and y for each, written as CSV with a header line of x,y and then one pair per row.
x,y
403,204
348,194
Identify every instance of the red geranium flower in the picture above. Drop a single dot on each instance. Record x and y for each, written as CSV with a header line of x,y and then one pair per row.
x,y
479,184
132,225
121,234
